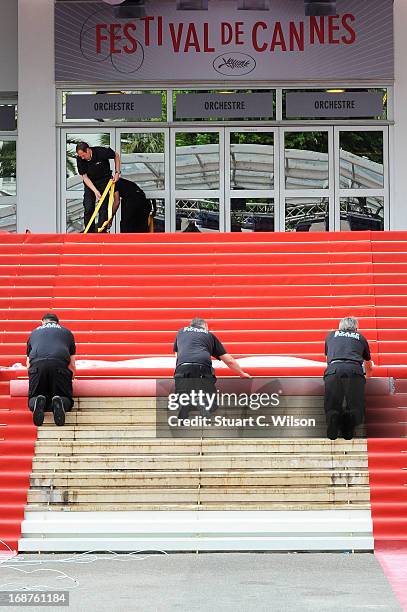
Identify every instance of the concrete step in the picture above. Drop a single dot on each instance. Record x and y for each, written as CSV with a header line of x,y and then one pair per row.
x,y
149,417
137,447
308,479
197,495
150,403
61,439
203,530
223,506
188,462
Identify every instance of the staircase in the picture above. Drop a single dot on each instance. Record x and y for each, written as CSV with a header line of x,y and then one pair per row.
x,y
124,297
105,463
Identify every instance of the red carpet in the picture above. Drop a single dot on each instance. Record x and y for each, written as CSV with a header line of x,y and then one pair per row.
x,y
394,565
125,296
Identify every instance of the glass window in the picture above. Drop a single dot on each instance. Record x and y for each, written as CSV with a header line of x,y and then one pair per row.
x,y
74,216
306,160
252,160
8,217
8,117
197,160
159,215
252,215
307,215
8,168
362,213
143,159
197,215
73,179
361,159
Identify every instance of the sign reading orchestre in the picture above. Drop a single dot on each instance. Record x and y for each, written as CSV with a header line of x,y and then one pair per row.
x,y
223,43
114,106
334,104
226,105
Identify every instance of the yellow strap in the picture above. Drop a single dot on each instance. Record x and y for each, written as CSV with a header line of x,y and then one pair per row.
x,y
109,210
99,204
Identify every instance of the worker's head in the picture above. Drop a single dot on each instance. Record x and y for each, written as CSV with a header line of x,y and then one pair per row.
x,y
348,324
83,151
50,318
198,322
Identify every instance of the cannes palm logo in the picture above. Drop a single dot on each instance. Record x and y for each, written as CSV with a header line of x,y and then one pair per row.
x,y
234,64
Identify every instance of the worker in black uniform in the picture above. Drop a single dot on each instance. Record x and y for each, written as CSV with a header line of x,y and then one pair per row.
x,y
51,368
94,167
194,346
135,207
348,358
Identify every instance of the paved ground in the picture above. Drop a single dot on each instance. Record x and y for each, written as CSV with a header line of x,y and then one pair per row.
x,y
210,582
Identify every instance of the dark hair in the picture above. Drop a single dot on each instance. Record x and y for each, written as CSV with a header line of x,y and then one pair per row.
x,y
50,317
82,146
198,322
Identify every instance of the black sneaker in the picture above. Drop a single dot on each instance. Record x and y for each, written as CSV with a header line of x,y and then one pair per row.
x,y
348,426
333,427
38,412
58,410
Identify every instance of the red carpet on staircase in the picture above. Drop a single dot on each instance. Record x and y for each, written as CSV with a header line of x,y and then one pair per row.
x,y
124,296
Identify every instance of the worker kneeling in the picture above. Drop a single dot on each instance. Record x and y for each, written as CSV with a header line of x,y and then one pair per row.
x,y
346,351
51,368
194,375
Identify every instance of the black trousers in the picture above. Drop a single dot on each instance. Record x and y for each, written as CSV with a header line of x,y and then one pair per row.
x,y
49,377
192,378
345,381
89,203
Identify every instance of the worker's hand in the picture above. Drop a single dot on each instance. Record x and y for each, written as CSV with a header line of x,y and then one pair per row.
x,y
98,195
73,373
116,177
245,375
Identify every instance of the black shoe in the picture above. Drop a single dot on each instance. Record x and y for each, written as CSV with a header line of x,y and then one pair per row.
x,y
348,426
333,427
58,410
38,412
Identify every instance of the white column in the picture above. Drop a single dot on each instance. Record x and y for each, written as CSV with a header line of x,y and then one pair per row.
x,y
398,153
36,151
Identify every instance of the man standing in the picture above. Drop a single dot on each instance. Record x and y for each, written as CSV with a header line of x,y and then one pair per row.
x,y
194,346
346,350
51,368
94,167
